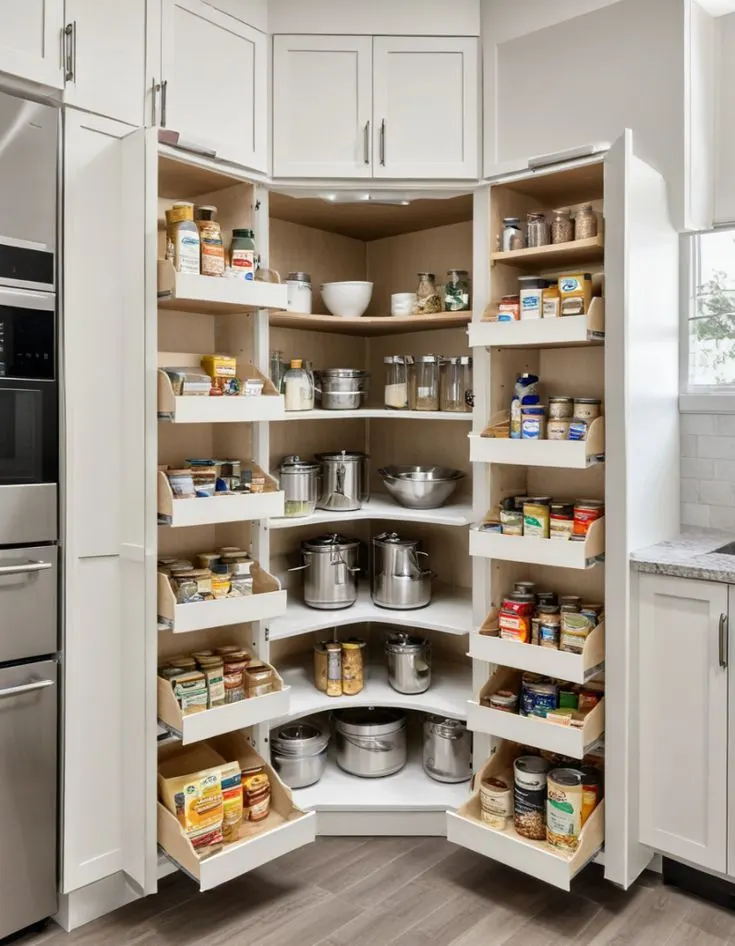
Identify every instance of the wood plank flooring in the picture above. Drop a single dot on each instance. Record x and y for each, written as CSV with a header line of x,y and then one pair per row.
x,y
403,892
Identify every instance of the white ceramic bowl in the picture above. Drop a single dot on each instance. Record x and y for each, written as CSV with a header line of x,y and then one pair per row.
x,y
349,300
402,303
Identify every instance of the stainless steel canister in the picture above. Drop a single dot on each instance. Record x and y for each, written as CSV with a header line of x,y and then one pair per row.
x,y
341,389
447,749
299,753
370,742
344,480
409,663
330,571
398,580
299,479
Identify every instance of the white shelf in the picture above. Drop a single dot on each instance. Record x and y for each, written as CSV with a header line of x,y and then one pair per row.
x,y
228,409
383,507
569,331
447,695
226,507
212,295
450,611
561,553
562,454
267,601
372,413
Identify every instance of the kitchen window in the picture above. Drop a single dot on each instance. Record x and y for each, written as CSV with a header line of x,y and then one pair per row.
x,y
708,331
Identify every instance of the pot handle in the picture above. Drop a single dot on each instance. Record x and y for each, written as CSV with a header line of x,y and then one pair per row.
x,y
369,742
350,568
300,568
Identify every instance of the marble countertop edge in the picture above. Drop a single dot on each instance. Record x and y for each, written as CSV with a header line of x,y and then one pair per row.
x,y
691,554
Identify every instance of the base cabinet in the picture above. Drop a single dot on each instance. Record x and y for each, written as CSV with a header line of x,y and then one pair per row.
x,y
682,627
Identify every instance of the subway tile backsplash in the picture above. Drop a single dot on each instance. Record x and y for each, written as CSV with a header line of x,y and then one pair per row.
x,y
708,470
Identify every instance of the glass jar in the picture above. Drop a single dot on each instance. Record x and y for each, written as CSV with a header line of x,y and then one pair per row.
x,y
183,237
278,368
396,381
457,291
242,253
212,244
537,229
426,382
562,227
298,386
427,295
298,297
511,237
455,390
585,223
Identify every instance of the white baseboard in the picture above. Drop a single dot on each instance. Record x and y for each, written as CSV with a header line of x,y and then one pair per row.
x,y
95,900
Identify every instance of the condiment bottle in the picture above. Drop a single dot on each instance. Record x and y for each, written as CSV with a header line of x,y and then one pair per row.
x,y
212,246
242,253
298,387
184,235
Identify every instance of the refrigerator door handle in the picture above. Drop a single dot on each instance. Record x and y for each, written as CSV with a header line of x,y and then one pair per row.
x,y
26,688
30,566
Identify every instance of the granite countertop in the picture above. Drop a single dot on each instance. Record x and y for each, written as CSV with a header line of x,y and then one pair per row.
x,y
689,555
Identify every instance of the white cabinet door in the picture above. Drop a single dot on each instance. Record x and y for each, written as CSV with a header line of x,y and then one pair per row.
x,y
426,111
215,74
683,719
322,106
107,74
31,40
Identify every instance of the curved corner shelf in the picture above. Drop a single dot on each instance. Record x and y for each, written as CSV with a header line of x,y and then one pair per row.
x,y
533,730
576,668
562,454
267,601
450,611
369,326
212,295
374,413
232,409
447,695
226,507
565,332
536,858
383,507
561,553
194,727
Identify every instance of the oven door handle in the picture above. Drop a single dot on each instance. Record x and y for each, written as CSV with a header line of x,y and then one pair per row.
x,y
27,299
30,566
26,688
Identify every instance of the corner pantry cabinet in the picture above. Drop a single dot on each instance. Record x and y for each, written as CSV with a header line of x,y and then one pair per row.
x,y
30,40
376,107
683,697
625,352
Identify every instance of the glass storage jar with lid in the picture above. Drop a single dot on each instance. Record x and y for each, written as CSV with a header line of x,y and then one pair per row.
x,y
511,237
457,291
455,389
298,298
537,229
397,368
428,299
424,393
562,227
585,223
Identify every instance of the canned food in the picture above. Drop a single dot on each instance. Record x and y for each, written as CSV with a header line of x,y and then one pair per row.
x,y
514,626
533,422
529,796
496,802
577,429
519,603
526,587
538,698
591,790
564,808
504,700
586,511
561,408
587,408
536,520
549,626
575,628
557,429
511,521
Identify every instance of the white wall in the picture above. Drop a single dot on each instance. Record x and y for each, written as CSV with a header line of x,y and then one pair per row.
x,y
376,17
507,19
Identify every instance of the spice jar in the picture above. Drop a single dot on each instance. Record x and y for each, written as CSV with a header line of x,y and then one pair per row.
x,y
183,238
242,253
512,236
426,378
212,245
396,381
427,296
455,390
537,229
561,407
298,293
220,581
562,227
353,676
457,291
585,223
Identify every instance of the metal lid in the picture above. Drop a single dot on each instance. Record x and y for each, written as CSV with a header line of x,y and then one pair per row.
x,y
458,360
587,400
429,359
398,360
342,373
511,219
344,455
569,778
298,277
299,739
369,721
445,727
458,272
329,541
406,644
294,464
393,539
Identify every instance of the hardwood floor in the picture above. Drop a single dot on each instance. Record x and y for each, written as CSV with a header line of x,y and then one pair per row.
x,y
403,892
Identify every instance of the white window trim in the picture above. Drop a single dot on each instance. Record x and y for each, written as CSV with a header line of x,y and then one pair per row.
x,y
696,398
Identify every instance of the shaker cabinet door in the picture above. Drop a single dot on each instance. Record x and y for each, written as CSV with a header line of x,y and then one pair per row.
x,y
426,112
322,106
214,92
108,73
683,719
31,40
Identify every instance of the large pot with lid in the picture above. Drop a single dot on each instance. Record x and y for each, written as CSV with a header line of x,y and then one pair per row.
x,y
371,742
447,749
330,570
299,753
409,663
341,389
299,480
344,480
399,581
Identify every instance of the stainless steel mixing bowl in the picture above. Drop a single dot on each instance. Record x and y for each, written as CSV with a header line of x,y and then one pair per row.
x,y
420,487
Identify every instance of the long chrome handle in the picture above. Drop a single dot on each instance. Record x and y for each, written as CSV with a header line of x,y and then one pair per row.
x,y
30,566
164,97
366,143
26,688
70,50
723,642
382,142
27,299
155,88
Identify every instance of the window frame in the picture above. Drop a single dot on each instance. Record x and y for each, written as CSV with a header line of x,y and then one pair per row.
x,y
698,398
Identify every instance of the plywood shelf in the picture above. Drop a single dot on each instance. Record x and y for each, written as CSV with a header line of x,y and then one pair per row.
x,y
223,507
566,332
562,454
555,255
370,326
562,553
212,295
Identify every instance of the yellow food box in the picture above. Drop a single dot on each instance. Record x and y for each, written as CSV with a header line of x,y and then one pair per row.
x,y
575,290
219,366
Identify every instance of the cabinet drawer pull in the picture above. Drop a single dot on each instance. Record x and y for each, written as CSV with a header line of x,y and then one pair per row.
x,y
70,51
723,642
366,143
30,566
382,142
26,688
164,97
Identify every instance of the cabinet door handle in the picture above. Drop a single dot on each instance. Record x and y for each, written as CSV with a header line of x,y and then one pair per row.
x,y
723,642
366,143
155,88
30,566
164,97
70,51
25,688
382,142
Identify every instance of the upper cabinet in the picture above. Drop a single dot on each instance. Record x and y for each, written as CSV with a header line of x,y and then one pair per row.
x,y
104,58
724,128
214,73
376,107
30,40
